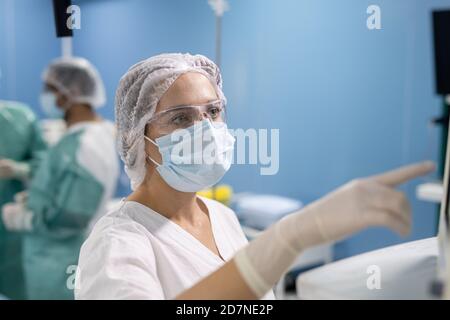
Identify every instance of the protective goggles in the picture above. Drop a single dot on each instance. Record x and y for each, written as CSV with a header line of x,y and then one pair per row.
x,y
183,117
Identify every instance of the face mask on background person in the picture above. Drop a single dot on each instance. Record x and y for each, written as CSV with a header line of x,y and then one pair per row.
x,y
49,106
195,170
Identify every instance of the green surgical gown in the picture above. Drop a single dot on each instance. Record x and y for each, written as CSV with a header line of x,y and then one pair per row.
x,y
63,197
20,140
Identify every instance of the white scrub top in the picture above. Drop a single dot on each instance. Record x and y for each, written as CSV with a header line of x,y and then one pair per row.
x,y
98,155
134,252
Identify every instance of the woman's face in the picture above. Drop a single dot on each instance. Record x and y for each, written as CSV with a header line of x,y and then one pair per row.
x,y
189,89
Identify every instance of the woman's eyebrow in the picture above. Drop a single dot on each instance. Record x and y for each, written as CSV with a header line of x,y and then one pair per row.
x,y
192,104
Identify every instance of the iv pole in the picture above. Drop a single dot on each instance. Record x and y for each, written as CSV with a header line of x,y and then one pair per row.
x,y
219,7
60,10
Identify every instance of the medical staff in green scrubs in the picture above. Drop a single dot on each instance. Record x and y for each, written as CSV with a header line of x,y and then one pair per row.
x,y
21,145
74,182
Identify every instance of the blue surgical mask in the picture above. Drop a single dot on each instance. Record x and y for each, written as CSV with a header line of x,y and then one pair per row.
x,y
195,158
48,104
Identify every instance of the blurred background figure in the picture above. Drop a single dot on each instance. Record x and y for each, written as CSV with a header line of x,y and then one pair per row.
x,y
21,144
73,184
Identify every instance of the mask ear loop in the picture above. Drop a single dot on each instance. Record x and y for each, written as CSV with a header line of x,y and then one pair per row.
x,y
155,144
66,93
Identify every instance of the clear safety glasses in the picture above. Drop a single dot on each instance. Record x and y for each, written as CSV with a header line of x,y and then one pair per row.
x,y
183,117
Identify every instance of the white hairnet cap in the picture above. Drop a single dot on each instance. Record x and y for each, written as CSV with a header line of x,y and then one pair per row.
x,y
138,94
78,79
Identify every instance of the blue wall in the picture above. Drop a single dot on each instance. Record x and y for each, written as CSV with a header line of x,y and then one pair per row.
x,y
27,43
348,102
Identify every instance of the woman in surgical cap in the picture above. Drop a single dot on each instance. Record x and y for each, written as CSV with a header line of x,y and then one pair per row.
x,y
164,241
74,181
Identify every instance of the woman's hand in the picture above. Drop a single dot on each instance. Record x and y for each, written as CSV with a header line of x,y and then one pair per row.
x,y
362,203
16,217
359,204
10,169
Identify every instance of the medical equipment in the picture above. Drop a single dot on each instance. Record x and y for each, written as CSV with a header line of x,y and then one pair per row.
x,y
63,25
413,270
441,26
402,271
260,211
353,207
443,276
219,7
441,34
430,191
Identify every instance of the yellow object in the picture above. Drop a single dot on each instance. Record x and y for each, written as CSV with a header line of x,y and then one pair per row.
x,y
221,193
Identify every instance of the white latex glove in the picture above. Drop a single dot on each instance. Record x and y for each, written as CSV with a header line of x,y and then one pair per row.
x,y
21,197
10,169
355,206
16,217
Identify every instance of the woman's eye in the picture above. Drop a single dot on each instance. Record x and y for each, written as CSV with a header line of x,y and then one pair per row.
x,y
214,112
179,119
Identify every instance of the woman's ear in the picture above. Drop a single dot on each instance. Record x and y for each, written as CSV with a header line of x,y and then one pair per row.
x,y
151,150
61,100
